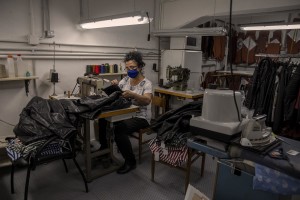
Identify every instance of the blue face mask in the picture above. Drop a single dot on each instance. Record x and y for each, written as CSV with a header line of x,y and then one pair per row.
x,y
132,73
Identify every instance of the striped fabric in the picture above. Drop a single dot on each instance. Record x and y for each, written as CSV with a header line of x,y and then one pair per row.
x,y
175,156
16,149
12,154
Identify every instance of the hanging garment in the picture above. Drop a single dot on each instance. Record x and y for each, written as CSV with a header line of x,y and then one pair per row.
x,y
275,43
233,50
293,42
285,76
207,46
291,94
219,47
239,46
248,49
262,41
297,107
260,96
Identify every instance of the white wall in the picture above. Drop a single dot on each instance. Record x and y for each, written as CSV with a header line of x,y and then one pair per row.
x,y
64,15
15,25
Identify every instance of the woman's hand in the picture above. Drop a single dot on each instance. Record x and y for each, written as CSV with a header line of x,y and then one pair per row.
x,y
114,82
128,94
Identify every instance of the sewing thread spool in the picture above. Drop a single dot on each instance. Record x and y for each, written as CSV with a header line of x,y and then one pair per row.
x,y
54,77
96,69
102,69
106,67
89,69
115,68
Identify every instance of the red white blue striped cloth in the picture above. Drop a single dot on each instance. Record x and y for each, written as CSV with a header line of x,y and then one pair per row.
x,y
172,155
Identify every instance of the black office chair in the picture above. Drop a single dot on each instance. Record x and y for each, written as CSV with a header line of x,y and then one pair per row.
x,y
39,157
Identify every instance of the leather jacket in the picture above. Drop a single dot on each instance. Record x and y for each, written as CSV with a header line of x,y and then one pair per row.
x,y
173,126
42,118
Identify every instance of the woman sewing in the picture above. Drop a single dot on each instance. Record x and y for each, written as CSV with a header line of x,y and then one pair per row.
x,y
139,89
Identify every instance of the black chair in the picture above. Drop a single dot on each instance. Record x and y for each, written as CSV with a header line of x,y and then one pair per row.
x,y
39,157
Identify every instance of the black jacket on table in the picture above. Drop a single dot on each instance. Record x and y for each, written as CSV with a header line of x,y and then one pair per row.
x,y
43,118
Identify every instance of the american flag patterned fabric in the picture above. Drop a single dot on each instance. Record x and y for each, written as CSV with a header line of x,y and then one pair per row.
x,y
175,156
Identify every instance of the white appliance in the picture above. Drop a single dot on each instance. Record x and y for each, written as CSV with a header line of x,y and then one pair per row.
x,y
255,133
186,58
219,119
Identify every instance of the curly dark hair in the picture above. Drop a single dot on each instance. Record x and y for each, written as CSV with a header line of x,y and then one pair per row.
x,y
136,56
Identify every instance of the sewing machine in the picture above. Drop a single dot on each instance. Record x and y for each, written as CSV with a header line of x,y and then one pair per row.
x,y
178,77
87,83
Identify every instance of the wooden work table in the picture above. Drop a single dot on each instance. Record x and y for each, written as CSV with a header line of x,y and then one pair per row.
x,y
184,94
111,117
167,93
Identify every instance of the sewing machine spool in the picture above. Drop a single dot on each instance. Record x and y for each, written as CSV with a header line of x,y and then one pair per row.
x,y
54,77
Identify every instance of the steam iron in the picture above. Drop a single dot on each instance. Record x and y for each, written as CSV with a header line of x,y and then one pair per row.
x,y
255,133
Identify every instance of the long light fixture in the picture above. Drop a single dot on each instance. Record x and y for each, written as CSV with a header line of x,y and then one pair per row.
x,y
213,31
270,27
125,19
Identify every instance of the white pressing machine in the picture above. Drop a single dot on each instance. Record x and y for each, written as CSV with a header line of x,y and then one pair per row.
x,y
219,119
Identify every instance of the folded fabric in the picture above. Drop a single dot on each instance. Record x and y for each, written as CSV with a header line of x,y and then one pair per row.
x,y
172,155
16,149
270,180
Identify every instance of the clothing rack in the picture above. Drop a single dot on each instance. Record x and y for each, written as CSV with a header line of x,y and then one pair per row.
x,y
275,92
278,55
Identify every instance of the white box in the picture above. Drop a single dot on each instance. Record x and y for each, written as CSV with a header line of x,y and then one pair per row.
x,y
185,43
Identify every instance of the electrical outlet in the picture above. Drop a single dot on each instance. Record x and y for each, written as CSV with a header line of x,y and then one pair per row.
x,y
49,34
33,39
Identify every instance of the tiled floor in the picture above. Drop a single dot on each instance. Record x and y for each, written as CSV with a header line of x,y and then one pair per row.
x,y
51,182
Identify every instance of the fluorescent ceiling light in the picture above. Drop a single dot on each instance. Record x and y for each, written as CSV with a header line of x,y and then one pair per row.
x,y
213,31
125,19
270,27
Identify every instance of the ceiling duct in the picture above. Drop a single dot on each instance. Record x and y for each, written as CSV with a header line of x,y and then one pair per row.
x,y
212,31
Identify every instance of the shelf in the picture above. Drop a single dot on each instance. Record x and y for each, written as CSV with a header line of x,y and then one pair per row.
x,y
19,78
26,79
111,74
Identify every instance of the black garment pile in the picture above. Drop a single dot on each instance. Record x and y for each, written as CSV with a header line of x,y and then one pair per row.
x,y
43,118
275,91
173,126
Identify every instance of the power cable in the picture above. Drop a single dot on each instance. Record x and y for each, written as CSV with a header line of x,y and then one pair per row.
x,y
149,26
7,123
230,60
